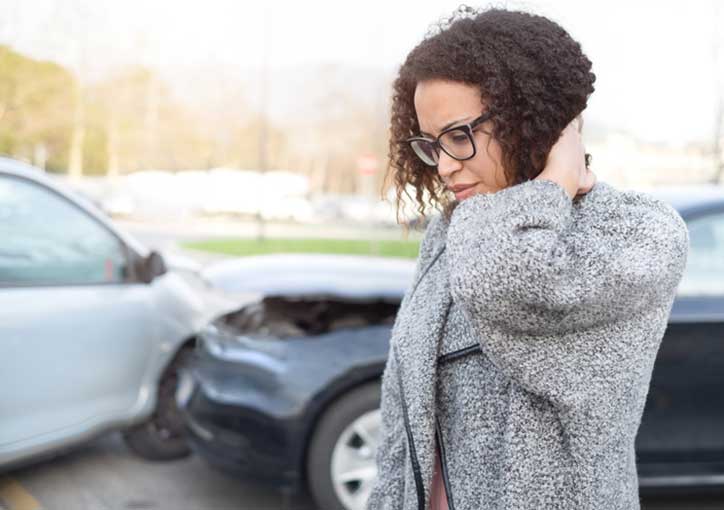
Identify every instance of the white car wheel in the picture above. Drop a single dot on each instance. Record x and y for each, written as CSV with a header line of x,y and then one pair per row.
x,y
341,460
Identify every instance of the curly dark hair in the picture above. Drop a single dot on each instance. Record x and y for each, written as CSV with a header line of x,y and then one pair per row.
x,y
532,74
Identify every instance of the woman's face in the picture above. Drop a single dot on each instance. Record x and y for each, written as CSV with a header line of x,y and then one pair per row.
x,y
440,104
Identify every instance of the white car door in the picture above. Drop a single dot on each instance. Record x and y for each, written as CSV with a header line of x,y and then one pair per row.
x,y
76,336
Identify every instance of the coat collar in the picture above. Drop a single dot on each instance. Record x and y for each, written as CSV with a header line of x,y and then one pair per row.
x,y
437,234
439,250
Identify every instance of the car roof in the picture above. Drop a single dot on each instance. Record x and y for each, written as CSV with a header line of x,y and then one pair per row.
x,y
305,274
690,197
14,167
20,168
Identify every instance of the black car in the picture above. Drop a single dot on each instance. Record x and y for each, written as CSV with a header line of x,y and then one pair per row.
x,y
289,384
286,390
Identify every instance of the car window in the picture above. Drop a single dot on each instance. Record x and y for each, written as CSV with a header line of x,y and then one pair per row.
x,y
704,274
46,240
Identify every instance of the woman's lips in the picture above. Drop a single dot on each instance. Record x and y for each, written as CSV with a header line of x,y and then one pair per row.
x,y
463,192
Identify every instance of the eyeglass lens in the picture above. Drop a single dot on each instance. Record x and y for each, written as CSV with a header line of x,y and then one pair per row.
x,y
426,151
457,143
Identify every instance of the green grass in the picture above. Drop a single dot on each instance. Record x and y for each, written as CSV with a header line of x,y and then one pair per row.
x,y
242,247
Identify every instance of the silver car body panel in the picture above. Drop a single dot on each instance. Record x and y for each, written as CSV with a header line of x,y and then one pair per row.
x,y
79,360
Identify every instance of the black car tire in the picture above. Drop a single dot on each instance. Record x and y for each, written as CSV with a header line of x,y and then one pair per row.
x,y
162,437
335,420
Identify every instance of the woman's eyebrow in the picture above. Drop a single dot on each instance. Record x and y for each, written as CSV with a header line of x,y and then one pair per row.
x,y
448,125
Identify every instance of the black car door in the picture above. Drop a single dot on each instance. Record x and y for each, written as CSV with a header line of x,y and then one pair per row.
x,y
683,420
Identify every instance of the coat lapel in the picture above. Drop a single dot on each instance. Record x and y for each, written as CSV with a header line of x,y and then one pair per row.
x,y
417,345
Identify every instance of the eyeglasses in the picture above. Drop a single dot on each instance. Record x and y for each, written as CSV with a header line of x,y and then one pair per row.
x,y
457,142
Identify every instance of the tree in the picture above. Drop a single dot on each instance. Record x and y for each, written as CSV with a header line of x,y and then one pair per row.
x,y
36,108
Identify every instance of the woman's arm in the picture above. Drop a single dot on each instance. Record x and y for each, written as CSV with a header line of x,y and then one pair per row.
x,y
519,258
552,310
559,309
515,257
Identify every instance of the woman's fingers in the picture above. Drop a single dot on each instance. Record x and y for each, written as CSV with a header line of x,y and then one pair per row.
x,y
587,183
566,161
587,178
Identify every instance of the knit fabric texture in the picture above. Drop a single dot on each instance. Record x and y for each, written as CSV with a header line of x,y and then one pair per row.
x,y
567,302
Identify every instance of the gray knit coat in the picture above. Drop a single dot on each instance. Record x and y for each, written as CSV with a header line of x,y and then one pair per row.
x,y
525,346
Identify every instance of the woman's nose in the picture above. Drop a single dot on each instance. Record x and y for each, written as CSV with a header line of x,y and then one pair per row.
x,y
447,165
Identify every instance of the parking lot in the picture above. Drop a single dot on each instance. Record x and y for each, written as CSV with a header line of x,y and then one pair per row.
x,y
104,475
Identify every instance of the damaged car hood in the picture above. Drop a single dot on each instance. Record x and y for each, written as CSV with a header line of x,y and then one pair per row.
x,y
344,276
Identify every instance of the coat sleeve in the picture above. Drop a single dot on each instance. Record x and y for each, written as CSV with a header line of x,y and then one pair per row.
x,y
387,490
537,291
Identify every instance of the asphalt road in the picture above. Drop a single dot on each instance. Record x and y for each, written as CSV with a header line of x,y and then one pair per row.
x,y
104,475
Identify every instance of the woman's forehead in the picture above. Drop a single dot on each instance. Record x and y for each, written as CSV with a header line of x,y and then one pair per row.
x,y
440,103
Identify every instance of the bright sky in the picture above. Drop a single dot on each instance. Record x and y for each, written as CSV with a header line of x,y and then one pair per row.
x,y
654,60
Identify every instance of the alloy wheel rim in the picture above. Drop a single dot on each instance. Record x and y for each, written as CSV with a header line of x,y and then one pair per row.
x,y
353,464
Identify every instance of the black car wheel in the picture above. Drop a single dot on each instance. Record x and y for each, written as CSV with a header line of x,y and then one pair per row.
x,y
162,436
341,466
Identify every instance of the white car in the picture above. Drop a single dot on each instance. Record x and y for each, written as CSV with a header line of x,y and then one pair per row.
x,y
92,326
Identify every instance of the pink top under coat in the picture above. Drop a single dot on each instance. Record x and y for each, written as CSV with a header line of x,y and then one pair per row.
x,y
438,498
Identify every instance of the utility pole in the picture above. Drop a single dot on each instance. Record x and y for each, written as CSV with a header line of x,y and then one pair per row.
x,y
150,125
75,159
718,66
79,50
112,143
263,113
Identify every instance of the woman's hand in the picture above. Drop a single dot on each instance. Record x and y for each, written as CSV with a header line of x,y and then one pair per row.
x,y
566,163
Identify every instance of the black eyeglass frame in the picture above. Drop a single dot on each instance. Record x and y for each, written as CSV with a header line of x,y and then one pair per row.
x,y
437,146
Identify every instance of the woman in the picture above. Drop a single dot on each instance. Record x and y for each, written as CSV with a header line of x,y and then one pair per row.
x,y
520,358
